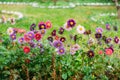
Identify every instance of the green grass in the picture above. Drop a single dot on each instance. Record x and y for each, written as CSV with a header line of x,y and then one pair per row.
x,y
58,17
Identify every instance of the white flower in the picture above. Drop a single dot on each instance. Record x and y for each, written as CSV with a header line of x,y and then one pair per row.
x,y
10,31
66,27
80,29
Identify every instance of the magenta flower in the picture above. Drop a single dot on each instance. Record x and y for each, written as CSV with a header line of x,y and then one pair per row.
x,y
61,51
62,39
99,30
71,23
42,25
57,44
98,35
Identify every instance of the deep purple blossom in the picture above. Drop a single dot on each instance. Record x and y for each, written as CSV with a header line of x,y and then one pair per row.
x,y
32,27
30,35
116,40
42,25
13,36
61,30
71,23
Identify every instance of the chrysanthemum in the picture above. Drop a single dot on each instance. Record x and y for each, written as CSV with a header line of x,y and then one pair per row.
x,y
53,33
61,30
61,51
32,27
108,26
21,40
71,22
116,40
42,25
38,36
66,27
80,29
99,30
48,24
10,31
26,49
90,53
13,36
30,35
98,35
50,39
57,44
62,39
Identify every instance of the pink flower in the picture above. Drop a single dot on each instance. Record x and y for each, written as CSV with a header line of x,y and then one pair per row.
x,y
48,24
108,51
100,52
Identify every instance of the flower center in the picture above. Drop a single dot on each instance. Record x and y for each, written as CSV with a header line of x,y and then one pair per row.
x,y
42,26
91,54
48,24
61,51
71,23
80,28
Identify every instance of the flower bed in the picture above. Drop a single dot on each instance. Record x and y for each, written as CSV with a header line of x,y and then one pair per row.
x,y
85,55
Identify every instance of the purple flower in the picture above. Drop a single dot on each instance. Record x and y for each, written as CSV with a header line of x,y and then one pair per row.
x,y
108,40
99,30
61,30
71,22
39,45
32,44
57,44
116,40
61,51
21,40
31,35
32,27
98,35
13,36
107,26
42,25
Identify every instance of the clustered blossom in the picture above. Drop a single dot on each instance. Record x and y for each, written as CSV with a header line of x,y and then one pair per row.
x,y
33,38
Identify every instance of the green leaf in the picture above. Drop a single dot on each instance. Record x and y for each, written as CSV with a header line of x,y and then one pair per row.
x,y
64,76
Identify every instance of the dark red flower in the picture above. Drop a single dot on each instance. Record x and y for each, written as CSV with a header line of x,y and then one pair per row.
x,y
116,40
27,61
53,33
87,32
38,36
26,49
90,53
50,39
62,39
61,30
